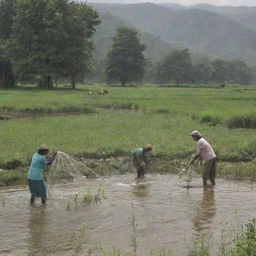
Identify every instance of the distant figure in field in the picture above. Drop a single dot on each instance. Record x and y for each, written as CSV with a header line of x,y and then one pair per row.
x,y
140,158
36,172
206,153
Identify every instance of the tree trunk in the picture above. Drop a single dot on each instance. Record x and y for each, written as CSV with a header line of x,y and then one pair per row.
x,y
123,83
73,83
7,79
45,82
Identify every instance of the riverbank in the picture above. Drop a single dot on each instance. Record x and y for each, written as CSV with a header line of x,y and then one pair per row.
x,y
123,165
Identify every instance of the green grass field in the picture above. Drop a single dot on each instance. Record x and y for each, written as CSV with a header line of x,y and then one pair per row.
x,y
127,118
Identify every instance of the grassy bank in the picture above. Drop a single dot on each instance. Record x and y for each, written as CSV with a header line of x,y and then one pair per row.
x,y
115,124
123,165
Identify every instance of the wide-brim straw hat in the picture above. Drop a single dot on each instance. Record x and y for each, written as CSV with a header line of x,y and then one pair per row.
x,y
196,134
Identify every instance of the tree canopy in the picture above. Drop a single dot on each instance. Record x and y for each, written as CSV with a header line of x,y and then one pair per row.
x,y
125,60
51,39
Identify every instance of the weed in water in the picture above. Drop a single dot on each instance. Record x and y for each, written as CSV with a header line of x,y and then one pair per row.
x,y
100,195
201,246
87,198
245,242
163,252
76,239
2,201
134,226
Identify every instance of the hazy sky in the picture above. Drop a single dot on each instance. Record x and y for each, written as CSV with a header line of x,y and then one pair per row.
x,y
185,2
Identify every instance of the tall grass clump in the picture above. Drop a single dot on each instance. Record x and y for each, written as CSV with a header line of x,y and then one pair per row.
x,y
242,121
201,246
87,198
134,226
209,118
245,241
163,252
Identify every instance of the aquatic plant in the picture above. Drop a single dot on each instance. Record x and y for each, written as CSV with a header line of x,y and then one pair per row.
x,y
134,226
2,201
86,199
201,246
163,252
76,239
245,242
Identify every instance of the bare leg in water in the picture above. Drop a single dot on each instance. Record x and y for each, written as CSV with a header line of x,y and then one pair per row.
x,y
43,200
205,182
140,172
212,179
32,199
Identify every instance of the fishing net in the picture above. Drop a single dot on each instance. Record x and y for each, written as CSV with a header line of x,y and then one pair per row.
x,y
67,168
186,176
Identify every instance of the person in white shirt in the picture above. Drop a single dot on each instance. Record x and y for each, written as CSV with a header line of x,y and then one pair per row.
x,y
206,153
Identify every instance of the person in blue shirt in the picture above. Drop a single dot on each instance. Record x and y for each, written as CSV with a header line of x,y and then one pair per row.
x,y
140,158
36,173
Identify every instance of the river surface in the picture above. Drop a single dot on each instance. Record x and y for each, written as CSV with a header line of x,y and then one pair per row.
x,y
168,216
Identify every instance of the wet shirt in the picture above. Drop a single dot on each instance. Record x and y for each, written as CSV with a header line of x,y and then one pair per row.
x,y
37,167
138,153
205,150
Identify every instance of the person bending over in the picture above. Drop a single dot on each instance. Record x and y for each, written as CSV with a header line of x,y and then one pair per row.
x,y
36,172
206,153
140,156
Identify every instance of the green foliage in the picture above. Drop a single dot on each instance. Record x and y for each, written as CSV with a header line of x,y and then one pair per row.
x,y
86,199
201,246
109,133
176,67
50,39
7,12
134,227
245,242
7,79
162,252
242,121
125,61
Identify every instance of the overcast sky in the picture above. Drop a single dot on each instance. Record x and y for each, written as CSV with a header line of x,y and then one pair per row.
x,y
185,2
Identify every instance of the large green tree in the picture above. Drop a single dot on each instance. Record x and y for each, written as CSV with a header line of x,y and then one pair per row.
x,y
7,13
220,70
239,72
176,67
51,39
125,61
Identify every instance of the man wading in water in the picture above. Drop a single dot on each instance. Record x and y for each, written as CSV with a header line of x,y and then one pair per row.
x,y
140,158
35,174
206,153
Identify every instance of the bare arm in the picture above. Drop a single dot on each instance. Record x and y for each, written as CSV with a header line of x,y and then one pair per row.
x,y
51,158
193,159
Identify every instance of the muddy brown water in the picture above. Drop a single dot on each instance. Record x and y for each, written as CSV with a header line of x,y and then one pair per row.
x,y
168,216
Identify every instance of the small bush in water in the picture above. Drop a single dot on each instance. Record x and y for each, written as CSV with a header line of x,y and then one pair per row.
x,y
87,198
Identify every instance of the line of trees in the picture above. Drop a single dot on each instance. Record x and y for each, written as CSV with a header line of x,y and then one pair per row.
x,y
51,40
126,63
45,40
178,67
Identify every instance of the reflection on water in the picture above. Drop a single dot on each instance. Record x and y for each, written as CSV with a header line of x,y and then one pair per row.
x,y
141,187
206,211
168,216
37,223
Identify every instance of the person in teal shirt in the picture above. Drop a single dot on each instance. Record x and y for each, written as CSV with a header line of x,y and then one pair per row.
x,y
36,173
140,159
